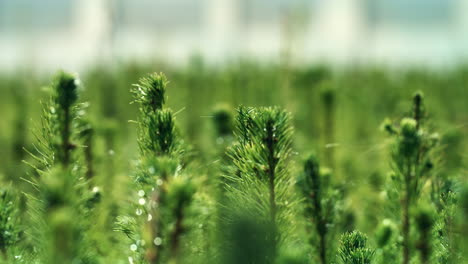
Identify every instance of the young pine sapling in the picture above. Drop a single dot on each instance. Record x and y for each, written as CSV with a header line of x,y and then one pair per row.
x,y
258,182
322,205
412,164
164,191
60,208
354,249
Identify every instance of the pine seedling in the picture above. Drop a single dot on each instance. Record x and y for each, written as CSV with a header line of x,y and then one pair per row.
x,y
418,108
384,233
412,163
58,209
222,137
157,135
150,93
60,124
259,180
385,237
354,249
164,194
87,136
223,121
424,219
223,124
321,205
59,117
328,98
10,230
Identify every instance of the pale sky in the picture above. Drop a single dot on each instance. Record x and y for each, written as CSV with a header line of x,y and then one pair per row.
x,y
75,33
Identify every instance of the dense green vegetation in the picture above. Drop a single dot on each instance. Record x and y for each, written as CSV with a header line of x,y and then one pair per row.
x,y
245,163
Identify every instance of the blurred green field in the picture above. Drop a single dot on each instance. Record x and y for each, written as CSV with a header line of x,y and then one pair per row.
x,y
353,145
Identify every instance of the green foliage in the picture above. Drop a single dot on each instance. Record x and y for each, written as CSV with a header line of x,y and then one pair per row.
x,y
10,232
322,205
328,94
328,97
424,218
64,217
60,205
157,133
387,241
413,157
89,176
258,181
87,134
442,242
249,241
292,258
412,154
164,195
223,121
385,232
162,137
462,224
59,116
354,249
150,93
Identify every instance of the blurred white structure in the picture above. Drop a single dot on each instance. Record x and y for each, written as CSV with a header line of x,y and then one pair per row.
x,y
50,34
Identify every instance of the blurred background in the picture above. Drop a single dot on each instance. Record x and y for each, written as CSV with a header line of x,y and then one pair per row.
x,y
73,34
